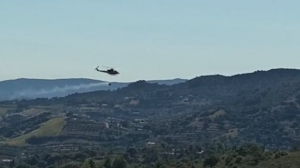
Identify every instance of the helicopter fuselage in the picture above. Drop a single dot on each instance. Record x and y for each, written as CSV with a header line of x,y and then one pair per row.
x,y
110,72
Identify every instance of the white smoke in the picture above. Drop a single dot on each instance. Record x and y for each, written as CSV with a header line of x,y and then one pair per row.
x,y
57,91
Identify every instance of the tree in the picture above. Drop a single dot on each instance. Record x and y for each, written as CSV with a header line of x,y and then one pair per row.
x,y
158,165
53,159
86,164
41,164
239,160
124,124
205,125
211,161
228,160
92,164
132,152
107,163
12,164
91,153
71,166
33,161
23,166
119,163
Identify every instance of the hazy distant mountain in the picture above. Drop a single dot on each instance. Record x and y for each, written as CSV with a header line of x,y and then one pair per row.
x,y
168,82
46,88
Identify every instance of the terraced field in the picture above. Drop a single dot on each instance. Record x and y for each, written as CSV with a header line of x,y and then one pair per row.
x,y
50,128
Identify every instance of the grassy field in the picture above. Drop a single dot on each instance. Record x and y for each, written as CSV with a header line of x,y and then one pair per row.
x,y
33,112
217,114
3,110
50,128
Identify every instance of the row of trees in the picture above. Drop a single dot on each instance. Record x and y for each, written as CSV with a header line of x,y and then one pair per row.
x,y
237,156
90,163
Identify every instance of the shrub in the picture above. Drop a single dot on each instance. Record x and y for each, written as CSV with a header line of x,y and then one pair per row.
x,y
239,160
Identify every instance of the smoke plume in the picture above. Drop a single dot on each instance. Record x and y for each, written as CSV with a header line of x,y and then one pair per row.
x,y
58,91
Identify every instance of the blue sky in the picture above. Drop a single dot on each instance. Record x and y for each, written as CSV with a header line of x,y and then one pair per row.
x,y
146,39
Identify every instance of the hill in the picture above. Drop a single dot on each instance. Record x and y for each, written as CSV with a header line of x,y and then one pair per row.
x,y
144,121
262,106
45,88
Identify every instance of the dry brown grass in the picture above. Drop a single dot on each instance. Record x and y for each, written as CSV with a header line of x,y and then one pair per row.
x,y
50,128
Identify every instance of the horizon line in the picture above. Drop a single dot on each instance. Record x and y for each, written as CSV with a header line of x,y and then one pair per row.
x,y
148,79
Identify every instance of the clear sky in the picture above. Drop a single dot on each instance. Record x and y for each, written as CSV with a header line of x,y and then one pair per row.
x,y
146,39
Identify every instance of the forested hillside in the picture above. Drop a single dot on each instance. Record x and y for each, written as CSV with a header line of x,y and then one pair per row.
x,y
205,120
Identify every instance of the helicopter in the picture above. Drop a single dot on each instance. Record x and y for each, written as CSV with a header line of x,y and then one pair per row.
x,y
110,71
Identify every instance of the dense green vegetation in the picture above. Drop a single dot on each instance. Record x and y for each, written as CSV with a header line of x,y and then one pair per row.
x,y
247,156
205,121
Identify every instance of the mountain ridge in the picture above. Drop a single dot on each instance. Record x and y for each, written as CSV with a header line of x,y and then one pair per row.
x,y
30,88
260,105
